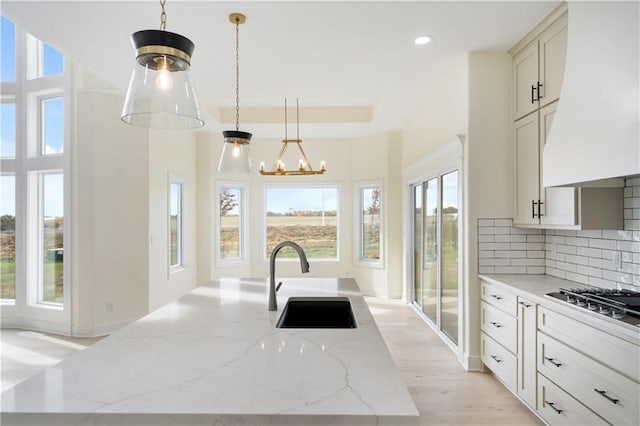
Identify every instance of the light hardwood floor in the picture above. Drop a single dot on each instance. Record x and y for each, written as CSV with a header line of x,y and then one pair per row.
x,y
444,393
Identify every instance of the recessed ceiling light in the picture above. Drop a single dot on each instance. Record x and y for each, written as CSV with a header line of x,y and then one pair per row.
x,y
420,40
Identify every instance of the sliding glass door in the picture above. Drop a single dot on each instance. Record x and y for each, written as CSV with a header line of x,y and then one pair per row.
x,y
435,246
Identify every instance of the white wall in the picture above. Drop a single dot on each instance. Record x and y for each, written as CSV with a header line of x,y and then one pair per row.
x,y
337,154
171,152
488,171
443,116
377,158
109,217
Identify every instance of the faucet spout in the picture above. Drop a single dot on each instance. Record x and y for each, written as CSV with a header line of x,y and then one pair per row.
x,y
304,265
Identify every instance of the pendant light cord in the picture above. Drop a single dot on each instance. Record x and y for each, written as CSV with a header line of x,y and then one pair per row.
x,y
237,74
163,15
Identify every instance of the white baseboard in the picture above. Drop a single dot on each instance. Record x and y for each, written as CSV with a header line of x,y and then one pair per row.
x,y
36,325
472,363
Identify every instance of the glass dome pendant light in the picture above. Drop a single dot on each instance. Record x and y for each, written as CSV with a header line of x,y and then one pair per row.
x,y
161,93
236,155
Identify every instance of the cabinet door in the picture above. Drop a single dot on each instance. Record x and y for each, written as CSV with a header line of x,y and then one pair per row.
x,y
559,204
553,51
527,327
527,175
525,75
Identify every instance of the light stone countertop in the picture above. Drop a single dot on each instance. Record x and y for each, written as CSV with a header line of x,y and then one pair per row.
x,y
534,287
214,356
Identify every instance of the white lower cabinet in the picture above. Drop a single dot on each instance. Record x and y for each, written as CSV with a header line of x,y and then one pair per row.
x,y
608,393
569,369
499,360
527,376
557,407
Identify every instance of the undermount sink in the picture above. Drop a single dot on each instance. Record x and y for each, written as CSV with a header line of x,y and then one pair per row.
x,y
317,312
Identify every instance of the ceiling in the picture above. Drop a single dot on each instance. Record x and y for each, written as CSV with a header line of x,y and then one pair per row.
x,y
352,64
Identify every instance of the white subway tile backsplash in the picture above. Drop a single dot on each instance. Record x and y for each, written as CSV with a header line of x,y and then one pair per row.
x,y
512,254
534,254
603,264
602,258
587,270
578,260
577,241
629,245
512,238
583,279
493,246
511,270
567,249
590,252
492,230
554,239
589,234
617,235
603,244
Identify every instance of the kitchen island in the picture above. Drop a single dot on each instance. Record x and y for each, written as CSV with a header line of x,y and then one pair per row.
x,y
214,356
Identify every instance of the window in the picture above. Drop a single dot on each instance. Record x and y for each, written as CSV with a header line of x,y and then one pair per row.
x,y
34,181
230,216
8,37
52,114
305,215
369,224
176,260
52,237
8,130
7,237
45,61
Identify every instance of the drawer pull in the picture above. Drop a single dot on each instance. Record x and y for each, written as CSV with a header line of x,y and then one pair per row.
x,y
496,359
495,324
552,405
526,305
553,361
604,393
495,296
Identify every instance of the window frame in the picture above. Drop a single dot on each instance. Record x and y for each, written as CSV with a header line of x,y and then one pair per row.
x,y
358,237
303,185
243,212
27,166
176,179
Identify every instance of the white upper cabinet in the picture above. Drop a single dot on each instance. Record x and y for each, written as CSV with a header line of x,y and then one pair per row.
x,y
538,69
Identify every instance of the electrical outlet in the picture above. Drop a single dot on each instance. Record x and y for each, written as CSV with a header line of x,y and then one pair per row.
x,y
617,259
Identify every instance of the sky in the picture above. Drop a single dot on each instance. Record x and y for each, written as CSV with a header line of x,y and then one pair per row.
x,y
53,118
284,200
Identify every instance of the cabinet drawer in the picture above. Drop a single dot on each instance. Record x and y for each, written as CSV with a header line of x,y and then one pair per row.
x,y
499,297
610,350
557,407
499,360
500,326
609,394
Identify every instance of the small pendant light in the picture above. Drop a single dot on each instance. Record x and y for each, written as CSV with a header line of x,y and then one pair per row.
x,y
161,94
236,155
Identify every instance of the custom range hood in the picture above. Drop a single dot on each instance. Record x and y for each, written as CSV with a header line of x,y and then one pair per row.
x,y
595,136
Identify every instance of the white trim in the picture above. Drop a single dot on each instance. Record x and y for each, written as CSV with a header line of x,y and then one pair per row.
x,y
179,180
243,217
447,159
358,259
